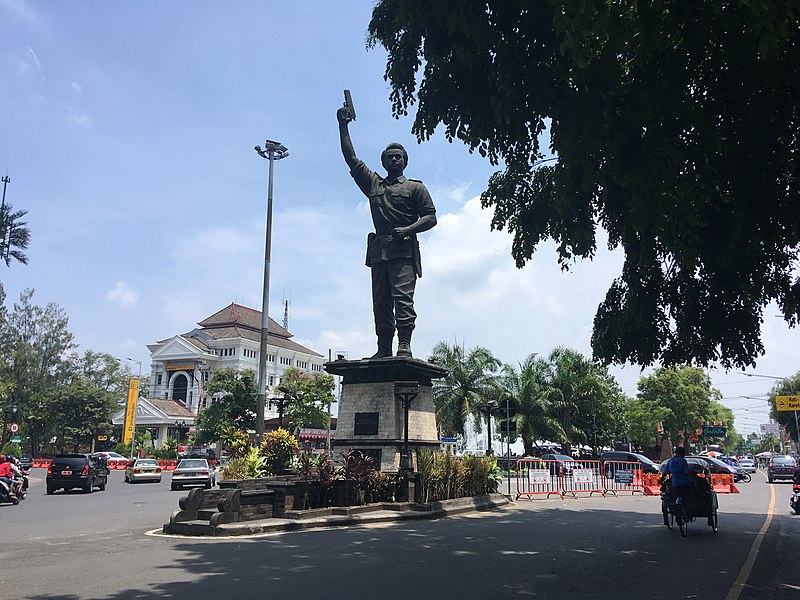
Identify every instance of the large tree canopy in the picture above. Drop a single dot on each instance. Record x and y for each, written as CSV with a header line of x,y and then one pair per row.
x,y
675,127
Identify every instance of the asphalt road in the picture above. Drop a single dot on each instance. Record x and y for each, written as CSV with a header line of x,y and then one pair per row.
x,y
76,546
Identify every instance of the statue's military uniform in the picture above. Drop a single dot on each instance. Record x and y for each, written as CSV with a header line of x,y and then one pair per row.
x,y
395,262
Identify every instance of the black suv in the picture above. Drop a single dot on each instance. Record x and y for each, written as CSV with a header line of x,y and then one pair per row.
x,y
206,453
648,466
781,467
83,471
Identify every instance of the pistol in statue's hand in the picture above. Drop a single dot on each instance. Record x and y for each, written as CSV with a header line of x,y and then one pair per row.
x,y
343,115
401,233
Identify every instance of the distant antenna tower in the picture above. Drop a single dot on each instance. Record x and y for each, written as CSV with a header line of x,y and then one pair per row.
x,y
286,315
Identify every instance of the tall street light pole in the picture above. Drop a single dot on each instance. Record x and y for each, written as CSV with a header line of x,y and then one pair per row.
x,y
6,180
272,151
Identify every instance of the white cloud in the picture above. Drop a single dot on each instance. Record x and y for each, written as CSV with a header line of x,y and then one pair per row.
x,y
37,100
28,61
122,295
20,10
77,87
78,118
179,311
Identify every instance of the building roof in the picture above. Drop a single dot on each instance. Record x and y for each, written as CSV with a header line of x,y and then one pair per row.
x,y
222,333
236,315
236,321
171,408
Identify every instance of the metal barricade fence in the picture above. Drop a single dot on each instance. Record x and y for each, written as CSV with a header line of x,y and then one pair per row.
x,y
622,476
536,476
582,476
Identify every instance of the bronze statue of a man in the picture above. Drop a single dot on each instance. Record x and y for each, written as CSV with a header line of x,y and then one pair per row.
x,y
400,209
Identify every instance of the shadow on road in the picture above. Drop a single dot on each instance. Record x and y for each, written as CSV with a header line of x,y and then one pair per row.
x,y
520,551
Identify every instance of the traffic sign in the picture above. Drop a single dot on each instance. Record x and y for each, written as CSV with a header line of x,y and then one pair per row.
x,y
16,439
14,427
787,402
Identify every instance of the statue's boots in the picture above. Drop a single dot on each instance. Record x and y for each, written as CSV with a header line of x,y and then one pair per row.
x,y
404,341
384,347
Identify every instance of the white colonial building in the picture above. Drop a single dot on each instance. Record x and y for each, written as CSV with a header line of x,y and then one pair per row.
x,y
181,366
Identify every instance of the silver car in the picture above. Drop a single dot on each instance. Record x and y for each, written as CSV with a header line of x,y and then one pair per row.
x,y
193,471
748,465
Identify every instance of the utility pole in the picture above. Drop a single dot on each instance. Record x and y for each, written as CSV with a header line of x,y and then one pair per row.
x,y
272,151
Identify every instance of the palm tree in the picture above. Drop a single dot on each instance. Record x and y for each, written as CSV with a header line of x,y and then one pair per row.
x,y
14,235
577,387
468,383
528,388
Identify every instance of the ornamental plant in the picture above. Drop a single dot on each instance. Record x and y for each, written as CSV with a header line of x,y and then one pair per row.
x,y
278,449
237,440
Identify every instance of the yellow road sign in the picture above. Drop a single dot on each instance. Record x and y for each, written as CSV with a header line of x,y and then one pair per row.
x,y
787,402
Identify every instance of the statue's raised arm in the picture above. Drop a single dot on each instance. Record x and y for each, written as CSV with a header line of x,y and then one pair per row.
x,y
344,116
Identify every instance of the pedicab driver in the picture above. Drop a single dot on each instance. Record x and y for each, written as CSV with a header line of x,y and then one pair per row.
x,y
678,468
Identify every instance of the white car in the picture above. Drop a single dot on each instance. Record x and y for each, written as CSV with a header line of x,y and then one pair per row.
x,y
143,469
110,455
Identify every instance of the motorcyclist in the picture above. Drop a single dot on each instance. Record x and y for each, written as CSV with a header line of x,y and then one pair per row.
x,y
7,476
20,480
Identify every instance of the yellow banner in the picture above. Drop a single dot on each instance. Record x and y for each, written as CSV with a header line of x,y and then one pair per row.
x,y
787,402
130,411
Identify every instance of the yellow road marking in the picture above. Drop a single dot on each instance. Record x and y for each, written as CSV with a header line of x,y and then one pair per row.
x,y
741,580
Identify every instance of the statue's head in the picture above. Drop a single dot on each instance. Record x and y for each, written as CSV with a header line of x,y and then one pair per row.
x,y
392,149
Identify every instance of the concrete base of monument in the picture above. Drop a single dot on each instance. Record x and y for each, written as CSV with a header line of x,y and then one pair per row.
x,y
380,400
340,517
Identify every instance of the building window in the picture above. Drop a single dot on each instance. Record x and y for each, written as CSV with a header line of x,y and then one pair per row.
x,y
286,361
366,423
271,380
158,379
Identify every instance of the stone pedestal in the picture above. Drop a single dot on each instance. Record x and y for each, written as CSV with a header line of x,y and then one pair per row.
x,y
371,416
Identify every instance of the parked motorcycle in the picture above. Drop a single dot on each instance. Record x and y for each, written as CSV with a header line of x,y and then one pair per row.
x,y
794,501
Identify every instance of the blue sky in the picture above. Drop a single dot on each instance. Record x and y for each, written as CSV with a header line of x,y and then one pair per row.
x,y
128,132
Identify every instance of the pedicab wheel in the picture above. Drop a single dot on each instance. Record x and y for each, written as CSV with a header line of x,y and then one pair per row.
x,y
669,518
712,522
746,478
683,521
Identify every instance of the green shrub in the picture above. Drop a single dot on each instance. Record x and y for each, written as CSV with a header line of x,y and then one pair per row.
x,y
235,469
382,487
443,476
237,440
278,450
